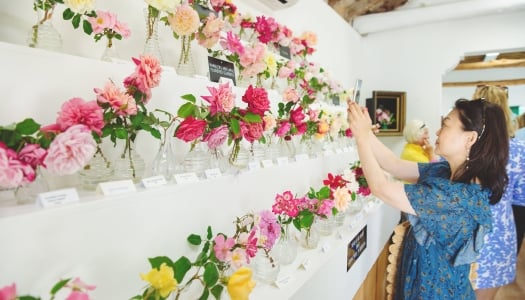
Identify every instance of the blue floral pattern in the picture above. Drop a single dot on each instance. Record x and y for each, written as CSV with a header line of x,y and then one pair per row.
x,y
444,237
497,259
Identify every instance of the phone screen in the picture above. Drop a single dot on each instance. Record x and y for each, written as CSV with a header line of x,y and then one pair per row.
x,y
357,90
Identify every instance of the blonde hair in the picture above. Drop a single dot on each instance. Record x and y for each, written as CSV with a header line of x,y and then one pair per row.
x,y
521,120
497,95
413,131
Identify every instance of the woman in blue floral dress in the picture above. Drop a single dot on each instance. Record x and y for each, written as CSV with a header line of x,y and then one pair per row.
x,y
448,202
496,264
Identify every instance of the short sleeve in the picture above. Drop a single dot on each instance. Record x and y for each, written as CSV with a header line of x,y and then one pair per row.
x,y
516,173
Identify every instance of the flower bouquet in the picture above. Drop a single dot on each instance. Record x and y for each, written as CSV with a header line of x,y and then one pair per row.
x,y
78,290
106,24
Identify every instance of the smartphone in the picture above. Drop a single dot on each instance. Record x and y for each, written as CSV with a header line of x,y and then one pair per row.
x,y
357,90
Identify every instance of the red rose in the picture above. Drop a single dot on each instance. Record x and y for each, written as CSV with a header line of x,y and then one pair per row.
x,y
190,129
257,100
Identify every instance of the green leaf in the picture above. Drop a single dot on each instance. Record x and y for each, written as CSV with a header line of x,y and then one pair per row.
x,y
27,127
211,274
87,27
68,14
138,297
155,133
307,220
186,110
209,233
27,298
194,239
121,133
324,193
155,262
59,285
205,294
252,118
76,21
189,97
216,291
235,127
181,266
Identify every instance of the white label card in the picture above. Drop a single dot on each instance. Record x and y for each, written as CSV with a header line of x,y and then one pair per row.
x,y
283,280
283,160
186,177
254,165
305,263
301,157
153,181
116,187
213,173
58,197
267,163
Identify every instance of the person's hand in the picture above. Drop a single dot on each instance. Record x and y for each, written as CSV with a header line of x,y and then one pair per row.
x,y
359,120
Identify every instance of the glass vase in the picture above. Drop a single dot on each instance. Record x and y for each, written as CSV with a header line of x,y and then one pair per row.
x,y
218,160
164,162
197,160
129,164
310,238
287,147
43,34
339,218
99,169
285,249
152,46
326,226
265,268
257,151
185,65
27,193
239,157
110,52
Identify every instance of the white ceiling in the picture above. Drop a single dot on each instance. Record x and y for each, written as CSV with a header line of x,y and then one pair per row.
x,y
416,12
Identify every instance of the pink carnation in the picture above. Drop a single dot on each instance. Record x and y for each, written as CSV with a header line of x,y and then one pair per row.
x,y
71,150
190,129
77,111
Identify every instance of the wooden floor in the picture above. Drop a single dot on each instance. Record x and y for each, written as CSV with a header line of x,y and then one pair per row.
x,y
516,290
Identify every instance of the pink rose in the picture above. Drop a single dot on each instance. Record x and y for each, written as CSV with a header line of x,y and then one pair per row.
x,y
190,129
70,151
252,131
77,295
13,172
122,103
257,100
217,136
33,155
77,111
8,292
222,99
297,116
146,75
290,95
283,128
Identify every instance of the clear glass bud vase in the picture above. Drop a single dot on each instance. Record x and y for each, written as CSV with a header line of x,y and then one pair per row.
x,y
27,194
310,238
110,52
265,268
164,162
152,46
43,34
285,249
185,65
129,164
99,169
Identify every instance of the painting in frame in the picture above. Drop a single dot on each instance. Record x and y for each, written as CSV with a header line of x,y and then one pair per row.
x,y
387,108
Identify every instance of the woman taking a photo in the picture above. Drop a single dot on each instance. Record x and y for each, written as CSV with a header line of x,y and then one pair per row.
x,y
448,201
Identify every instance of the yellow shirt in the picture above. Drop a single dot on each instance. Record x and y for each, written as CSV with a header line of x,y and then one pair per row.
x,y
414,152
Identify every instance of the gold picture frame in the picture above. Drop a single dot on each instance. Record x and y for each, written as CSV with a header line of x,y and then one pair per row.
x,y
388,109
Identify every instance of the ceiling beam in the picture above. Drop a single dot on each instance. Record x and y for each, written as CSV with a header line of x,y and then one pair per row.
x,y
485,82
500,63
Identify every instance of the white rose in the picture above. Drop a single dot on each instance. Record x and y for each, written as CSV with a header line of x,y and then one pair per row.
x,y
80,6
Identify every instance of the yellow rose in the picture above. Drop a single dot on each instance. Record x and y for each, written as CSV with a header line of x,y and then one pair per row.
x,y
240,284
162,280
323,127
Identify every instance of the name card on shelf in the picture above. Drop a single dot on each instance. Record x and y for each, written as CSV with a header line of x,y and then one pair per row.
x,y
213,173
154,181
116,187
220,69
301,157
305,263
283,280
283,160
267,163
186,177
254,165
57,197
355,248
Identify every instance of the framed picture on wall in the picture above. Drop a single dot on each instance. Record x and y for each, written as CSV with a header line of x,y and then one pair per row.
x,y
387,108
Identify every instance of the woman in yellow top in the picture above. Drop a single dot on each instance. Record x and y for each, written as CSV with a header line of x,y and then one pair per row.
x,y
418,147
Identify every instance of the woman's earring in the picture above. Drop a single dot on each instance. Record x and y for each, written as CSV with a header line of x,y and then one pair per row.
x,y
468,157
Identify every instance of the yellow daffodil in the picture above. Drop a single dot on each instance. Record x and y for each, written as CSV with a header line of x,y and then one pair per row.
x,y
162,280
240,284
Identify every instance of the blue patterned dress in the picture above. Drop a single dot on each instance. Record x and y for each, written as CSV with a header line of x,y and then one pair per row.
x,y
497,259
444,238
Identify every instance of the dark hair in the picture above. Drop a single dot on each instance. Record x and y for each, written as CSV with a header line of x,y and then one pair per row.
x,y
489,154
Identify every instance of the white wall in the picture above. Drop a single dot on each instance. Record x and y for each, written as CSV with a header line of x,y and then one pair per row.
x,y
414,59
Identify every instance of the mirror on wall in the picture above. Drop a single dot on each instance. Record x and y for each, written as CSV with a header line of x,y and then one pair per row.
x,y
495,67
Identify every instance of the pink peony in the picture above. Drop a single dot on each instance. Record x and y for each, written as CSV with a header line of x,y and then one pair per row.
x,y
217,136
184,21
8,292
33,155
257,99
221,99
70,151
77,111
190,129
